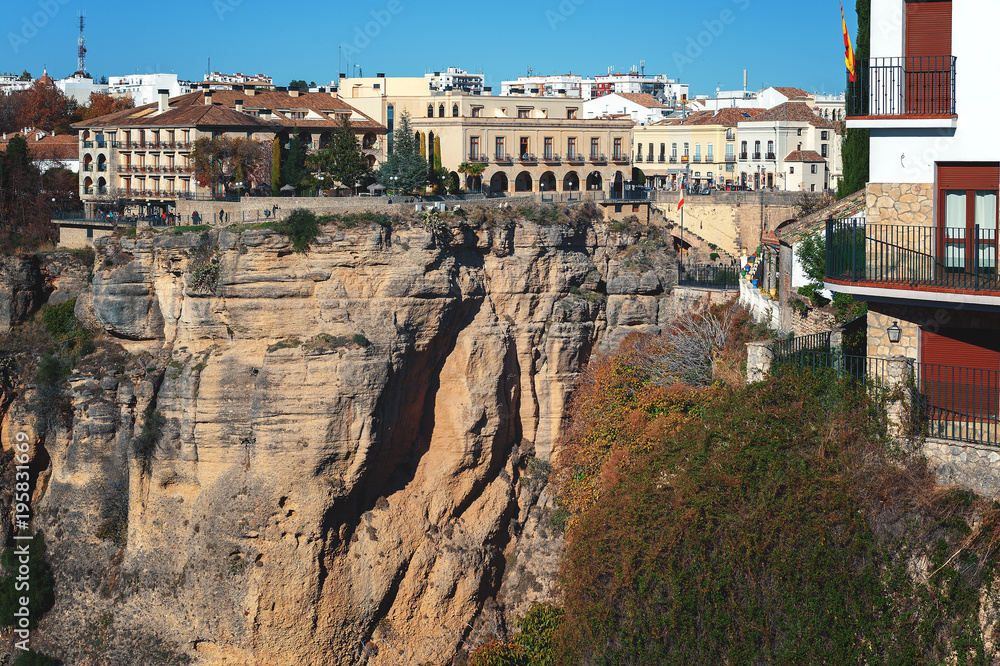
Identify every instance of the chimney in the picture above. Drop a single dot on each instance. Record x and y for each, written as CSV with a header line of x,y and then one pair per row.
x,y
208,98
294,92
333,92
239,106
250,91
264,114
163,95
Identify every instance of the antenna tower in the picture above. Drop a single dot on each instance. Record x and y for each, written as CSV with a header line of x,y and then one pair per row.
x,y
81,51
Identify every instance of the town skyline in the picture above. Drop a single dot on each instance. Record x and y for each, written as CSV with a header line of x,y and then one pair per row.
x,y
399,38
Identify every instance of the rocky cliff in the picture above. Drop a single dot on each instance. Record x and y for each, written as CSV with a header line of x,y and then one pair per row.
x,y
352,459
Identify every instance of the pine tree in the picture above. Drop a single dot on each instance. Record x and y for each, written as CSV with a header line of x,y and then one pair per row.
x,y
855,147
276,168
405,170
342,158
293,168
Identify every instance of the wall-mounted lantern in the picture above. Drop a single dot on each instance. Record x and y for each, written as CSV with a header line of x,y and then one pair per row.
x,y
895,332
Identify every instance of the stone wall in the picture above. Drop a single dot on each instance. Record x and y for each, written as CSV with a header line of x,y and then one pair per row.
x,y
76,237
734,225
880,317
900,203
970,466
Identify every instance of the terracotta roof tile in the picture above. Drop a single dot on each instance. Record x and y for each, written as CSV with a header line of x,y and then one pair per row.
x,y
643,99
792,112
804,156
58,147
793,232
793,94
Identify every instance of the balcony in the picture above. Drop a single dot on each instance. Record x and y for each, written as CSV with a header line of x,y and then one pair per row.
x,y
638,158
88,167
88,190
770,156
503,159
528,158
913,262
551,158
673,159
756,156
697,158
743,156
102,167
903,92
88,144
575,158
479,159
662,158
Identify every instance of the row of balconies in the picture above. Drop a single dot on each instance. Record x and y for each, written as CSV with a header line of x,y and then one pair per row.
x,y
138,168
528,158
90,167
149,145
673,159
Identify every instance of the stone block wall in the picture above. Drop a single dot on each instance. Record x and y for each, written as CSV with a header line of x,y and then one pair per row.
x,y
972,466
880,317
900,203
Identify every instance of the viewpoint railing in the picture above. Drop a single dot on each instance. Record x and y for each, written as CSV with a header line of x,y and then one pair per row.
x,y
708,275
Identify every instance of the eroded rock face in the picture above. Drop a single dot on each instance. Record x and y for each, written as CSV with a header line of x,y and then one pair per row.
x,y
342,473
20,290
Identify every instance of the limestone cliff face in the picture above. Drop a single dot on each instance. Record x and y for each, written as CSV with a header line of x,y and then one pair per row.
x,y
348,469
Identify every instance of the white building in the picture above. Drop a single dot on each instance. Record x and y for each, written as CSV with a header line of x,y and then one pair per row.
x,y
643,108
788,148
665,89
143,87
79,88
238,77
454,78
11,83
557,85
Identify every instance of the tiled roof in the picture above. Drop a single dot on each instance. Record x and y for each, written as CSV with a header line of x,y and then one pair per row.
x,y
49,147
794,93
726,117
191,110
795,231
643,99
793,112
804,156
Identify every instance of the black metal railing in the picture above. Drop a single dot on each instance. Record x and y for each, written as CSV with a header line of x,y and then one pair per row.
x,y
959,403
912,256
818,342
708,275
922,86
950,402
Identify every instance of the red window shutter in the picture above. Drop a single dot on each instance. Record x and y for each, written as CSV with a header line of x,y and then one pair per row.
x,y
960,374
984,176
928,29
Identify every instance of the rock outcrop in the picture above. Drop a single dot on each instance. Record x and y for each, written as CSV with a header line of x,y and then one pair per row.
x,y
353,457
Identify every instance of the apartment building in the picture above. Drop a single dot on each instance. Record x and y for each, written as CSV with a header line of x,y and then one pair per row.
x,y
455,78
642,108
701,148
789,148
142,156
926,259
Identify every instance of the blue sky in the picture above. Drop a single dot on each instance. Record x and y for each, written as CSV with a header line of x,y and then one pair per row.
x,y
706,44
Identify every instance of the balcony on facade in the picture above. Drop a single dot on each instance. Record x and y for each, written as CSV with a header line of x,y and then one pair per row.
x,y
575,158
756,156
479,158
906,92
913,263
598,159
551,158
770,156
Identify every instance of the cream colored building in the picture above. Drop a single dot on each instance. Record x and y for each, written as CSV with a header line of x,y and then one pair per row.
x,y
701,147
142,157
525,144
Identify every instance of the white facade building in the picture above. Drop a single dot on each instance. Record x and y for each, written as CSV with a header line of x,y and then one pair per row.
x,y
11,83
667,90
644,109
455,78
79,88
557,85
238,77
143,87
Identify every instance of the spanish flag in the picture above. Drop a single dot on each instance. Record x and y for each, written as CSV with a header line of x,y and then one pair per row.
x,y
848,51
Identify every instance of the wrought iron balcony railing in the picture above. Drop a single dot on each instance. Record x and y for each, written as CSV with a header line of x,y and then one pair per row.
x,y
901,87
951,259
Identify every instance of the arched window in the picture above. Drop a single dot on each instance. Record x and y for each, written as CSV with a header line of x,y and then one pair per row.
x,y
430,110
441,111
454,110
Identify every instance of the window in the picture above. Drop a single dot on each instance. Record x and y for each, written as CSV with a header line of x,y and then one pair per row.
x,y
969,200
756,150
548,147
730,152
824,135
812,188
798,132
454,110
477,112
812,168
928,41
791,170
570,114
687,151
730,134
524,113
524,146
571,147
474,148
500,148
618,149
770,150
663,151
743,150
440,110
430,110
823,150
595,148
673,152
708,155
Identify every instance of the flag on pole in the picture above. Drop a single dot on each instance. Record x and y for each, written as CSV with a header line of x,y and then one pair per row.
x,y
848,51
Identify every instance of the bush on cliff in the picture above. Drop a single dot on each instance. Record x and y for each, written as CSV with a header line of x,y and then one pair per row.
x,y
301,227
764,524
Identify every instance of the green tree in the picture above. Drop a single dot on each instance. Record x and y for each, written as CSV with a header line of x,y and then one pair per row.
x,y
298,84
638,177
275,167
26,76
341,159
24,211
855,146
293,167
404,170
32,658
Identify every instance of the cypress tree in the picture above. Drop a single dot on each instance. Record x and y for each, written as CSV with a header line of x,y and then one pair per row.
x,y
855,147
276,168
